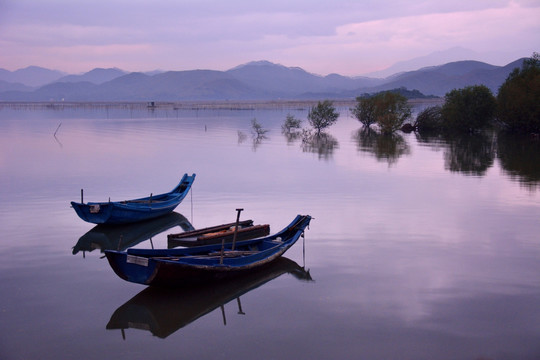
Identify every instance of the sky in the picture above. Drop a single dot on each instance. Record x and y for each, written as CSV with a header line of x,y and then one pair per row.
x,y
347,37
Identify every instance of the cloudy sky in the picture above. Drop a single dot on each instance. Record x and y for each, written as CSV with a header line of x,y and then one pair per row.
x,y
349,37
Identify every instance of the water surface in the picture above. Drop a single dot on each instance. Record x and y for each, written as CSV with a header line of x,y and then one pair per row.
x,y
420,247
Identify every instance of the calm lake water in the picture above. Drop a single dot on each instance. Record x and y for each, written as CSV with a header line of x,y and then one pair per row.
x,y
420,248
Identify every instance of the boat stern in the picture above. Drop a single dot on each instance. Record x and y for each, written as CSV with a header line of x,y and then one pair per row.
x,y
136,269
95,213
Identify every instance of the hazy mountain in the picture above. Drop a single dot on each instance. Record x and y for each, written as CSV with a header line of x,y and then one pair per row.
x,y
4,74
178,85
154,72
336,81
168,86
31,76
60,91
259,80
9,86
274,77
291,81
95,76
438,80
436,58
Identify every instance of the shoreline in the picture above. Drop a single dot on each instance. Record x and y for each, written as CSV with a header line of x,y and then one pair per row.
x,y
191,105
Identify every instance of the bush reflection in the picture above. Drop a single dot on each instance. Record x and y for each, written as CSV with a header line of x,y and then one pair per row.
x,y
385,147
469,154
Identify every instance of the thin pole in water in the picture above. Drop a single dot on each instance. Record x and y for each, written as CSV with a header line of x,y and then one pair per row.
x,y
191,191
57,129
304,249
82,202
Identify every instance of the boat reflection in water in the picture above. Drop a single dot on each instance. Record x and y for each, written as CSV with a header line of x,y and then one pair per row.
x,y
163,311
120,237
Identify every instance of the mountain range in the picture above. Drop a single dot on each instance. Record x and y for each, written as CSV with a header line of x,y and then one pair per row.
x,y
258,80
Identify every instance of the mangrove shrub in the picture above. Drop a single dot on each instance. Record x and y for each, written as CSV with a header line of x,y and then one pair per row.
x,y
388,109
291,124
364,111
322,115
429,119
469,109
518,99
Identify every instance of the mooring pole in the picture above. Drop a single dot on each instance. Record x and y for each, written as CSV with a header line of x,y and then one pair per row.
x,y
236,227
234,237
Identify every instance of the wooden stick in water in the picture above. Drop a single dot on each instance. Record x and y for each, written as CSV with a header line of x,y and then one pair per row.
x,y
236,227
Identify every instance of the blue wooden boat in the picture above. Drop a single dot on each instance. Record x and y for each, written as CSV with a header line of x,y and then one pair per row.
x,y
195,265
130,211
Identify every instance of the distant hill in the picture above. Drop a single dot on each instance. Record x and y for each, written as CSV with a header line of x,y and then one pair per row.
x,y
96,76
177,86
260,80
33,76
436,58
292,81
438,80
12,86
409,94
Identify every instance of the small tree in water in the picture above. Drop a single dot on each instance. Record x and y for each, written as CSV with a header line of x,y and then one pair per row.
x,y
291,124
388,109
364,111
322,115
258,131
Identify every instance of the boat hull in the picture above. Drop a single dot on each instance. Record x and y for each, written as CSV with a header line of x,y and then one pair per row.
x,y
195,265
113,213
125,212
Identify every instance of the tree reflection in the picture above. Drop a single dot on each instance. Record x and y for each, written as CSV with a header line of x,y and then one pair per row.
x,y
257,141
241,137
321,143
291,135
385,147
432,139
471,154
519,157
